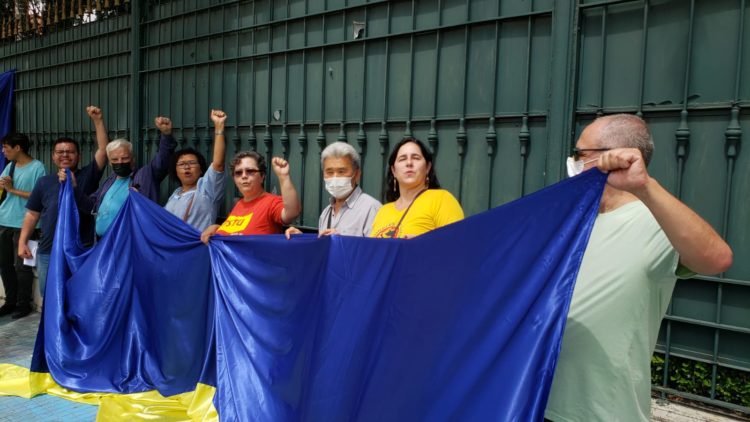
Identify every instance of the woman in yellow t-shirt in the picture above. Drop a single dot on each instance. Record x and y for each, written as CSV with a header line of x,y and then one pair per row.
x,y
416,204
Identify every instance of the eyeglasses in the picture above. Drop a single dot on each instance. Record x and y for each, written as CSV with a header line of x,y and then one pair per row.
x,y
249,172
66,152
186,163
576,152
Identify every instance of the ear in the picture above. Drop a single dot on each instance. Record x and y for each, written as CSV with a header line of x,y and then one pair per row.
x,y
356,176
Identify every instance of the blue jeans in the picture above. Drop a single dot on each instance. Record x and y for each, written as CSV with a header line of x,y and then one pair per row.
x,y
42,265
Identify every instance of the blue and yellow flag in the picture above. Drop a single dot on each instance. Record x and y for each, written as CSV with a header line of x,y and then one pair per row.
x,y
464,322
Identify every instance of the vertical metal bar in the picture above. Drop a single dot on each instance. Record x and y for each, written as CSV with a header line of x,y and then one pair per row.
x,y
194,138
409,115
236,139
208,139
251,140
432,136
602,61
342,134
682,136
644,46
491,135
361,135
321,134
135,76
524,136
461,135
383,136
267,138
284,139
302,138
183,138
733,136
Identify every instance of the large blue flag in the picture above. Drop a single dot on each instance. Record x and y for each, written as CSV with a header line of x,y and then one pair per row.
x,y
6,107
462,323
132,314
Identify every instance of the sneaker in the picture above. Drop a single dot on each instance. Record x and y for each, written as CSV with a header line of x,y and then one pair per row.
x,y
7,309
20,313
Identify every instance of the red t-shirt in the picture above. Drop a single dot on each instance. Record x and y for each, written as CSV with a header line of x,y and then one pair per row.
x,y
262,215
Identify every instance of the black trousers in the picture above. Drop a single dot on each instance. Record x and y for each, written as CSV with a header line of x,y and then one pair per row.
x,y
17,278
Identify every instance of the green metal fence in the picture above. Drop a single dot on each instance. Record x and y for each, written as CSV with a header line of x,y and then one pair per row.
x,y
499,89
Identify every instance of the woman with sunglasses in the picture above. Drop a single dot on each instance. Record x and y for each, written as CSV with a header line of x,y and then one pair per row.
x,y
258,212
201,189
416,204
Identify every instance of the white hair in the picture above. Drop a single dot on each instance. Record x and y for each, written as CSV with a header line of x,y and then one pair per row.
x,y
119,143
340,150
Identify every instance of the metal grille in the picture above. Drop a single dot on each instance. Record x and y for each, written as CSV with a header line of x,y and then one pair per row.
x,y
498,89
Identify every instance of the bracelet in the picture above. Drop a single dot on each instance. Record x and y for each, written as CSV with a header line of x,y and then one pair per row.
x,y
217,133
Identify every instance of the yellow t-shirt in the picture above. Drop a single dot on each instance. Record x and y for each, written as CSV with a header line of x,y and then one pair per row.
x,y
432,209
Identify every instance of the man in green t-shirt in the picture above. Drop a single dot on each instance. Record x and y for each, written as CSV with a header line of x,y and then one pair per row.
x,y
642,240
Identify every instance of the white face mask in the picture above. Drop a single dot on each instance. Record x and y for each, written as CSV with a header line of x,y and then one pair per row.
x,y
339,187
575,167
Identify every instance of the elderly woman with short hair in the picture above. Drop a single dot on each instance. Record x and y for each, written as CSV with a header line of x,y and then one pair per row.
x,y
258,212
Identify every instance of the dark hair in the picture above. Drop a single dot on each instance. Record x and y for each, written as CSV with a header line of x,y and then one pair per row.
x,y
185,151
65,141
391,186
17,139
249,154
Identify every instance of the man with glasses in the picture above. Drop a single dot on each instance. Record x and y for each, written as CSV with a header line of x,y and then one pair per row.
x,y
42,205
197,200
106,202
17,180
641,241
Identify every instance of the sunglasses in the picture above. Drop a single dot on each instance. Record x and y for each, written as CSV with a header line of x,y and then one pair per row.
x,y
249,172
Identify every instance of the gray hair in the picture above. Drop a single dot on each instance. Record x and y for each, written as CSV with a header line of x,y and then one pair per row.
x,y
340,150
119,143
626,131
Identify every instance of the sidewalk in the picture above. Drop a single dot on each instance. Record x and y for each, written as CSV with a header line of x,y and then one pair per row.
x,y
17,344
675,412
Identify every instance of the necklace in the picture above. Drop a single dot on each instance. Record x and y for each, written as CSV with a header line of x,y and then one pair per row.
x,y
407,205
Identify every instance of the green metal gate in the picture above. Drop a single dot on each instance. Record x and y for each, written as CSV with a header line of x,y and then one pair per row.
x,y
498,88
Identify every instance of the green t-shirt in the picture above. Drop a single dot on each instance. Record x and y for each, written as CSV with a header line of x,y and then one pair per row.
x,y
623,289
13,209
